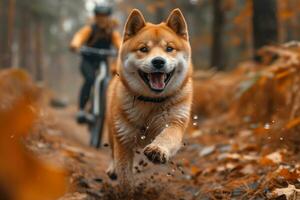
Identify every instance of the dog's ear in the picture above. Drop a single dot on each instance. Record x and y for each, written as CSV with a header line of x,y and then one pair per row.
x,y
177,23
134,24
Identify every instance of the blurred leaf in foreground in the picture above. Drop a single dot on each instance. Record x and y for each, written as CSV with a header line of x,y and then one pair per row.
x,y
22,177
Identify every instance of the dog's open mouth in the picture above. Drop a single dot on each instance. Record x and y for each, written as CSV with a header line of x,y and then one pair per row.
x,y
157,81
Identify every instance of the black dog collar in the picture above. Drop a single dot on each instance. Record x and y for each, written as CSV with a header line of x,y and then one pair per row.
x,y
152,100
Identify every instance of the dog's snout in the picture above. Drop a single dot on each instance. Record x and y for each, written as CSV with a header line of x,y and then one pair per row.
x,y
158,62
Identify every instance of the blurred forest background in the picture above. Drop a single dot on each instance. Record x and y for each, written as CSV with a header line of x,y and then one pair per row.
x,y
35,34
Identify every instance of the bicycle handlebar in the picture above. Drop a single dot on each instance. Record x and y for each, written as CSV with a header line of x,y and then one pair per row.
x,y
99,52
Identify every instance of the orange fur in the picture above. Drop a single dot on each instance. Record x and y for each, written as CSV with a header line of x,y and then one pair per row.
x,y
157,128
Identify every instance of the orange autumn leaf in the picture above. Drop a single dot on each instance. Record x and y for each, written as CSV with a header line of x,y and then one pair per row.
x,y
261,130
195,170
271,159
289,175
293,123
282,75
266,162
262,81
286,14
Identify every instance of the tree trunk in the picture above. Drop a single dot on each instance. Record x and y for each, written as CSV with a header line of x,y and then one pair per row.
x,y
217,51
8,38
2,31
38,50
265,23
24,40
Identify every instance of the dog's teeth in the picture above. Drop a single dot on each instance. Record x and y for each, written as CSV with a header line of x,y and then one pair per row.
x,y
165,76
149,76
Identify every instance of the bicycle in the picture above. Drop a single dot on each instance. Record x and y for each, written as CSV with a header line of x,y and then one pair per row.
x,y
98,100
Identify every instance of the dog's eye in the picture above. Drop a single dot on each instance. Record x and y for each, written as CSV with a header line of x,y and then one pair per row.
x,y
144,49
169,49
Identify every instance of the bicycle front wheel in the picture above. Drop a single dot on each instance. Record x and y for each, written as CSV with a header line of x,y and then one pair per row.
x,y
98,126
96,132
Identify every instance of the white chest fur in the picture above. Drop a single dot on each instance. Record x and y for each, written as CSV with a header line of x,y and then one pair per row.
x,y
141,121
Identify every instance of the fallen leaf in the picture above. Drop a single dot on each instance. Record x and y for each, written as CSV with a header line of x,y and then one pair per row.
x,y
245,133
23,176
276,157
207,150
195,170
271,159
293,123
291,193
248,169
197,133
288,174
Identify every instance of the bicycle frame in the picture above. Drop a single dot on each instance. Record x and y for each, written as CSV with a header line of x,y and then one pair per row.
x,y
97,86
99,95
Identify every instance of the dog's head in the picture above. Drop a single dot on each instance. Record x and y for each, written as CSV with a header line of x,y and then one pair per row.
x,y
155,58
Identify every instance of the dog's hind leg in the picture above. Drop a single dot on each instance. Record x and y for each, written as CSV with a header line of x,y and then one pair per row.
x,y
124,164
111,170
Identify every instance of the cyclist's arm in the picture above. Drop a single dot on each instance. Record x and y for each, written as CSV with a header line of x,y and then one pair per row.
x,y
116,39
80,37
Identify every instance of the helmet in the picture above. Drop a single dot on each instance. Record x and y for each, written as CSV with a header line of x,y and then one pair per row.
x,y
103,9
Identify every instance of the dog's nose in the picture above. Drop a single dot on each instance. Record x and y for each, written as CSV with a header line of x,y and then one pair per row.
x,y
158,62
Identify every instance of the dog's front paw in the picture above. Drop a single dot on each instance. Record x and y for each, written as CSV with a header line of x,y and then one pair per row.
x,y
156,154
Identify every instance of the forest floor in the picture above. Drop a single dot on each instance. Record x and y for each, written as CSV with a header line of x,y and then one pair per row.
x,y
215,162
243,141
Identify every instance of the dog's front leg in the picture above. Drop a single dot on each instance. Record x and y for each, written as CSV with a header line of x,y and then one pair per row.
x,y
165,145
124,163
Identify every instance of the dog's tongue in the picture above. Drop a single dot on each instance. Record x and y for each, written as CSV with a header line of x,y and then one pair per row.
x,y
157,80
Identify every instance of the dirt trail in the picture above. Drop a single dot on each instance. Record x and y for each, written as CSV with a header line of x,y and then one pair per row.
x,y
218,160
60,140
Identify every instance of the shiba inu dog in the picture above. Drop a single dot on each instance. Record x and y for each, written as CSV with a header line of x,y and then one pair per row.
x,y
149,102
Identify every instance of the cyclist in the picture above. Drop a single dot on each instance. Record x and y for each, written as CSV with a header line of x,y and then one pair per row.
x,y
100,34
